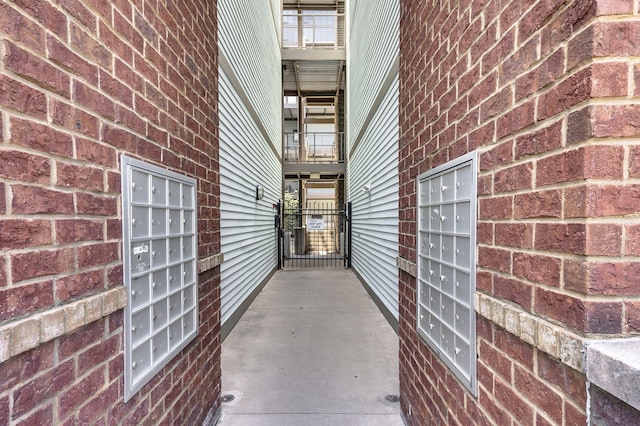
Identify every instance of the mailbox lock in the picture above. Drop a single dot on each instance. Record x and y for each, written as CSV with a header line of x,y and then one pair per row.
x,y
153,189
133,329
154,348
457,251
133,222
442,277
153,285
153,254
457,351
133,293
134,365
155,317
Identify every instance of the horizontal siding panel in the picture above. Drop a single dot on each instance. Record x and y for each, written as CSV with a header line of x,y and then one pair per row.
x,y
374,34
246,225
249,40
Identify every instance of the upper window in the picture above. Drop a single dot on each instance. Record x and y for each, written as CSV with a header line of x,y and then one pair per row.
x,y
446,264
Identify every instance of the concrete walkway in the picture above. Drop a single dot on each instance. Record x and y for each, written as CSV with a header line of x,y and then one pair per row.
x,y
313,349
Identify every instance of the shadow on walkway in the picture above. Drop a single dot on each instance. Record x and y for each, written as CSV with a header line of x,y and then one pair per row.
x,y
313,349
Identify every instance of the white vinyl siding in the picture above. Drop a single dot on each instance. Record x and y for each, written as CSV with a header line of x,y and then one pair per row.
x,y
249,42
374,47
250,102
373,133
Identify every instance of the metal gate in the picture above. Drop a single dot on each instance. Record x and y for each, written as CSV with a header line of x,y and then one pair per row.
x,y
317,237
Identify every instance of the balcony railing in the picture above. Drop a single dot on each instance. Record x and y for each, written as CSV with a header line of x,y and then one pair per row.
x,y
313,148
312,29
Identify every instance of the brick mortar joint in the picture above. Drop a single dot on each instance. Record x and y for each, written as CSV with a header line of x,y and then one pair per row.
x,y
550,338
38,328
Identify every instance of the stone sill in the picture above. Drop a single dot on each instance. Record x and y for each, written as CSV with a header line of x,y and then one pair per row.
x,y
27,333
614,366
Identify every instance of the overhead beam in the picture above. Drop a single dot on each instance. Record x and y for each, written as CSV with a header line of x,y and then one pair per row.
x,y
295,69
338,54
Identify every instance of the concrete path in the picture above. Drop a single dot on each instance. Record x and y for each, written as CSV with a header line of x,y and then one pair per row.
x,y
313,349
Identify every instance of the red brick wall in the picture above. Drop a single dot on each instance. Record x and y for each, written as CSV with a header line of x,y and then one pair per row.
x,y
547,91
81,82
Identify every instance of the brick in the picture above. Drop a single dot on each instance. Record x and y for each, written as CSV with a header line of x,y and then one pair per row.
x,y
3,272
99,404
514,178
616,38
36,70
564,238
95,153
616,121
632,245
71,399
67,59
76,230
18,301
549,71
78,285
97,254
603,317
613,200
80,13
508,397
514,290
98,354
90,47
36,200
495,259
496,105
42,388
606,409
3,198
79,176
609,79
561,307
568,380
604,239
570,92
4,410
41,416
119,138
95,204
24,366
614,278
604,162
514,235
538,205
570,21
500,155
116,88
516,120
537,16
579,126
632,323
74,120
38,263
539,394
561,168
18,233
22,98
19,27
537,268
25,167
41,137
93,100
544,140
43,12
496,208
634,161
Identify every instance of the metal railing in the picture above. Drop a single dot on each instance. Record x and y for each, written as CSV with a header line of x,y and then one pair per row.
x,y
312,29
313,148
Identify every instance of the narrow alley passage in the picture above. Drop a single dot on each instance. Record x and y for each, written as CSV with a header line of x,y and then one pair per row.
x,y
313,349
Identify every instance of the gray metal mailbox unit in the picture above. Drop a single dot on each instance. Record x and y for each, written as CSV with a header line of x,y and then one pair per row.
x,y
159,234
446,264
